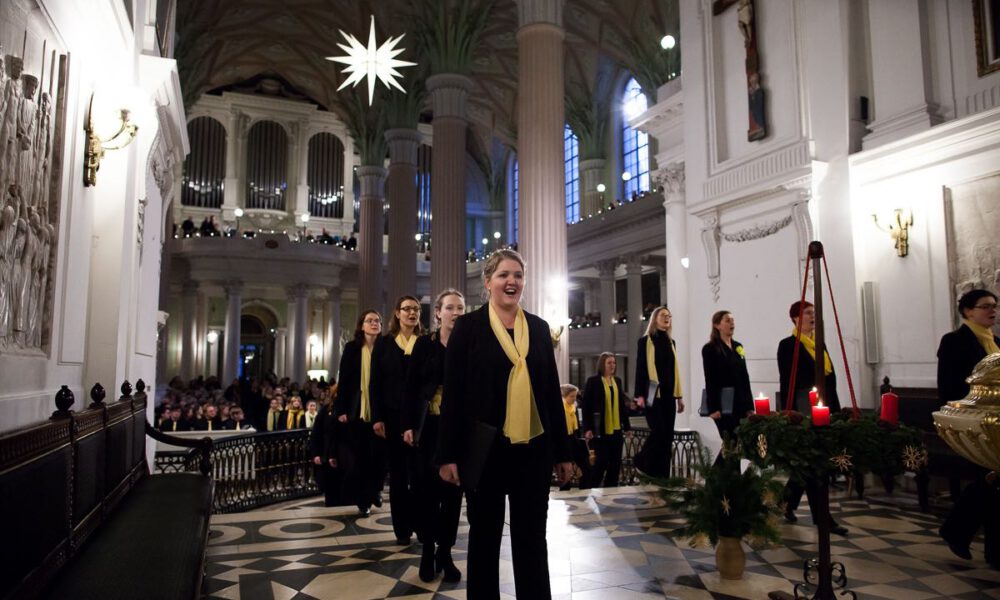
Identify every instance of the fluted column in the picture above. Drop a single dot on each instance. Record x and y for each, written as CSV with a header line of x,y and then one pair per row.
x,y
331,348
449,246
591,174
401,189
633,274
370,280
290,310
298,307
606,269
280,347
189,333
201,336
540,123
231,349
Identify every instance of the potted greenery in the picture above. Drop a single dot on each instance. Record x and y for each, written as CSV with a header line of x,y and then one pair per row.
x,y
726,506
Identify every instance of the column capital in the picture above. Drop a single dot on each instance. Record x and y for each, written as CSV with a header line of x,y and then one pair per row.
x,y
633,263
403,146
533,12
372,181
333,294
606,268
297,291
449,92
233,287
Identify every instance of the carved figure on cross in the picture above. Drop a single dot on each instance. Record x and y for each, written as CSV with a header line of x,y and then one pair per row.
x,y
746,20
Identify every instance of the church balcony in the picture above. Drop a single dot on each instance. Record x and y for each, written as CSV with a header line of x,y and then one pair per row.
x,y
635,227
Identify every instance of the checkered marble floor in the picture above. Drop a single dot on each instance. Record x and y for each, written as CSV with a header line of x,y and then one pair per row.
x,y
603,544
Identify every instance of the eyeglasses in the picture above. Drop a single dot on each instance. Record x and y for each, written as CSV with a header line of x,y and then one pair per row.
x,y
986,306
373,321
409,308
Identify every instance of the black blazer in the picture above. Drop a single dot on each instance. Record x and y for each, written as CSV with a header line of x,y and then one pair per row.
x,y
724,367
665,356
202,424
325,435
388,381
593,406
475,386
958,354
425,374
805,375
349,392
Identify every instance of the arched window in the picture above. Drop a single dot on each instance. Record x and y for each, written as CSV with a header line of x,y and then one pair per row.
x,y
571,160
267,166
326,176
424,189
205,166
635,143
514,202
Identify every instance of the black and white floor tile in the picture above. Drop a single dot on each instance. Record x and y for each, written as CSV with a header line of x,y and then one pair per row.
x,y
603,544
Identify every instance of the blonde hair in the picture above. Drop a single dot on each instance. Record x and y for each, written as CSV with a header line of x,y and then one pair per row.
x,y
439,301
651,328
493,262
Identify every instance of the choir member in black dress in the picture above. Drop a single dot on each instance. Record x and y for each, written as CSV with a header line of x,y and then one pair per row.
x,y
605,417
958,354
362,478
438,504
656,362
805,380
324,443
503,429
726,367
581,447
390,364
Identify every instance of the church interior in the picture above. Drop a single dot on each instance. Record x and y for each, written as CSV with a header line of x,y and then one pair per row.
x,y
218,190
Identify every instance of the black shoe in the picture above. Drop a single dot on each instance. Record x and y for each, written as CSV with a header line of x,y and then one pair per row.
x,y
427,564
790,517
839,530
364,511
959,551
401,541
444,563
378,501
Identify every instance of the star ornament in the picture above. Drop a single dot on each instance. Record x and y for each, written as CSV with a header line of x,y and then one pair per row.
x,y
726,506
842,461
373,62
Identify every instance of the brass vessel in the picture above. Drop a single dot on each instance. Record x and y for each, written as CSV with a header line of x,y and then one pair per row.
x,y
972,426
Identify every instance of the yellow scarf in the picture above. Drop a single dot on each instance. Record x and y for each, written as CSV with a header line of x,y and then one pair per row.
x,y
572,424
655,376
521,423
435,405
366,375
809,343
984,335
406,345
310,420
612,418
292,422
272,419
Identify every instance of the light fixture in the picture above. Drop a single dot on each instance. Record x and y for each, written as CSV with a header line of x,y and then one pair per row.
x,y
668,42
314,340
496,235
238,212
686,262
601,187
373,63
898,229
626,176
418,237
212,336
305,218
485,241
96,146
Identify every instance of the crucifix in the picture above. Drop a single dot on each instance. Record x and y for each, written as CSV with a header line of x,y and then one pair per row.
x,y
757,129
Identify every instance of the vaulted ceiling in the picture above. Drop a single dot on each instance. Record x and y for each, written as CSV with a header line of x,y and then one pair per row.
x,y
222,43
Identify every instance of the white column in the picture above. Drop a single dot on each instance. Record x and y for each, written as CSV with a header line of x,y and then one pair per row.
x,y
348,199
212,360
189,334
331,348
633,272
231,349
201,331
299,295
291,306
672,178
540,123
280,346
606,269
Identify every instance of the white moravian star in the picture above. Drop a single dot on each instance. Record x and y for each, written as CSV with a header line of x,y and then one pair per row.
x,y
372,63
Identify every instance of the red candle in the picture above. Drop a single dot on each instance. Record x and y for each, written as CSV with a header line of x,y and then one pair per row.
x,y
821,415
813,397
762,404
890,408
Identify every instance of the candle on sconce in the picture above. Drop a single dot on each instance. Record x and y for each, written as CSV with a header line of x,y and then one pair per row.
x,y
820,415
813,397
890,408
762,404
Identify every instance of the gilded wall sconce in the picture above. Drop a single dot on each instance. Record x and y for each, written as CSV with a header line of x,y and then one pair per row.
x,y
96,147
898,229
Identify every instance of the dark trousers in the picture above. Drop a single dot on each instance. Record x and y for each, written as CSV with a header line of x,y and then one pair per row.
x,y
581,456
363,473
976,507
793,496
401,501
609,459
439,504
329,480
657,453
521,474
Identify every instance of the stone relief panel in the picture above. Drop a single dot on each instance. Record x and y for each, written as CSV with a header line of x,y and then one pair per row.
x,y
33,76
974,258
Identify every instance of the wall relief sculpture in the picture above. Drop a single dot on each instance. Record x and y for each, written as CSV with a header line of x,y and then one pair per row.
x,y
32,115
974,257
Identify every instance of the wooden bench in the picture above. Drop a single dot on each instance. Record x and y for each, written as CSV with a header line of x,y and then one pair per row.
x,y
83,518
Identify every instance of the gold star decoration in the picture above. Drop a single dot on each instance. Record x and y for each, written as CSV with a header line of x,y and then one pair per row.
x,y
726,506
842,461
914,458
762,446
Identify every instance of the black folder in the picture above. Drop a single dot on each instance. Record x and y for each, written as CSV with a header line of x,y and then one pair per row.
x,y
726,398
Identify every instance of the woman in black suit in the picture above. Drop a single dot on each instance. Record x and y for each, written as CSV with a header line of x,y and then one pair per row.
x,y
605,417
438,504
805,380
656,361
363,481
725,366
390,364
502,429
324,444
960,351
